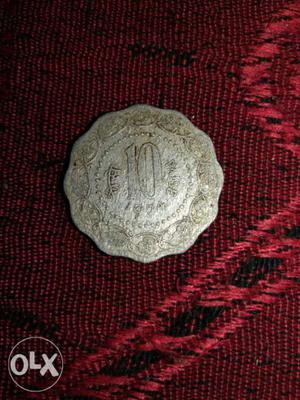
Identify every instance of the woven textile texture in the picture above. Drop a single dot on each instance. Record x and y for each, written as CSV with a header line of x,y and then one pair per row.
x,y
216,323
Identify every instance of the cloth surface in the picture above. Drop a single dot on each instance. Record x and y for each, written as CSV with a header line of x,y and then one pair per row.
x,y
217,322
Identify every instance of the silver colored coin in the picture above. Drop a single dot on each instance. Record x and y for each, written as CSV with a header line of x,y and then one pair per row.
x,y
143,183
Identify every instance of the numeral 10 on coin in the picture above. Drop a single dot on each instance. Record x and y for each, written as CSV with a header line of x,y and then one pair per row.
x,y
144,169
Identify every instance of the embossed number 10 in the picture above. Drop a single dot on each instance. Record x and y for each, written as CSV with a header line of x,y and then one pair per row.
x,y
144,169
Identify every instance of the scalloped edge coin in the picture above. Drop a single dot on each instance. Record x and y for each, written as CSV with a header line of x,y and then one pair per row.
x,y
143,183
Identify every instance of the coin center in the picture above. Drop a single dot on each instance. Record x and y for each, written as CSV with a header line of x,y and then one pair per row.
x,y
143,179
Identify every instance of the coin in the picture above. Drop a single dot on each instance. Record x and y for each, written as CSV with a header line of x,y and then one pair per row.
x,y
143,183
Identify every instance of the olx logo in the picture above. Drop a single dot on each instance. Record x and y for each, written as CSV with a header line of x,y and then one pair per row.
x,y
35,364
31,364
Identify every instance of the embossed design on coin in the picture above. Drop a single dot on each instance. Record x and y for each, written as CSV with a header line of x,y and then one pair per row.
x,y
143,183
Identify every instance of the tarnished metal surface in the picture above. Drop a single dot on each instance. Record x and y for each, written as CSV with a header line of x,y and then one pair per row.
x,y
143,183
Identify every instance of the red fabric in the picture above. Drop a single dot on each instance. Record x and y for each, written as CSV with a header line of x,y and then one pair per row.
x,y
218,322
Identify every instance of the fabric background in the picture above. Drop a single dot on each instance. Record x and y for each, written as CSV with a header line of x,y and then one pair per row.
x,y
218,322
